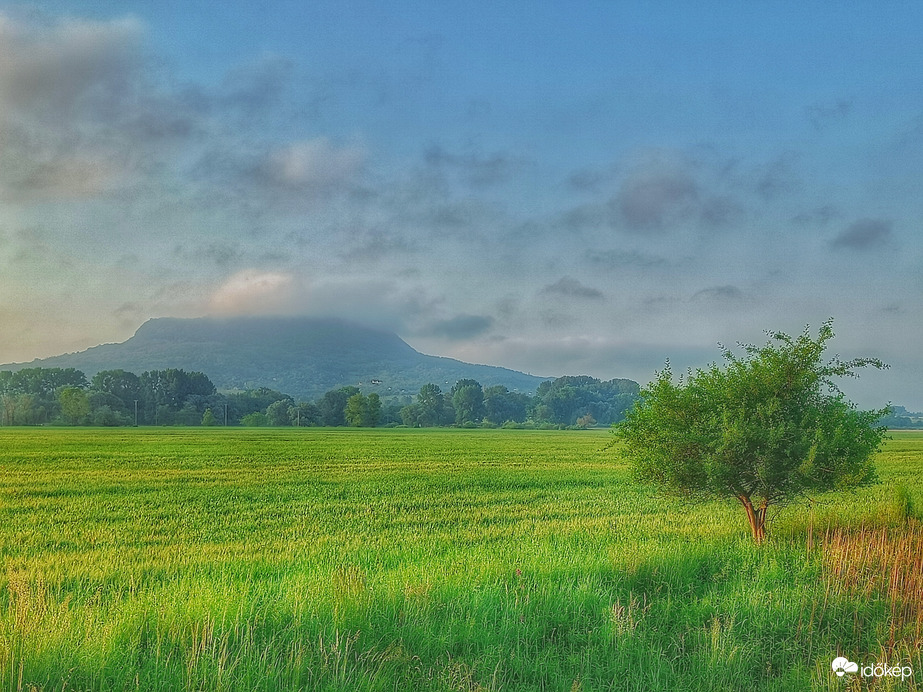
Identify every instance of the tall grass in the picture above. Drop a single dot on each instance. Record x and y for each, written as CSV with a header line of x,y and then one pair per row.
x,y
437,560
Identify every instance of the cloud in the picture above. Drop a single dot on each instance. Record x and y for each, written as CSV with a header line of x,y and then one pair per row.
x,y
253,292
460,327
719,212
583,217
719,294
820,216
376,245
821,116
589,179
658,193
314,164
52,70
624,258
221,254
66,177
255,87
571,288
777,177
64,90
865,234
473,168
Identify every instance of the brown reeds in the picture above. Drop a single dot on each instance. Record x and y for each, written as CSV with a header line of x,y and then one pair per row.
x,y
883,562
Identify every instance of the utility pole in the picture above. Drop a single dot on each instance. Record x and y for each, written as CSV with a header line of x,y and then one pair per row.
x,y
136,413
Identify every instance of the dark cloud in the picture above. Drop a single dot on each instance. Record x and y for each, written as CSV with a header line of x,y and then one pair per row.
x,y
624,258
777,177
571,288
651,200
583,217
220,254
722,294
822,116
557,319
865,234
254,88
460,327
473,168
720,212
58,70
820,216
376,245
64,87
589,180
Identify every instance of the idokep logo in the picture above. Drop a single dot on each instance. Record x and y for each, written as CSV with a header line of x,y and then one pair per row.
x,y
841,666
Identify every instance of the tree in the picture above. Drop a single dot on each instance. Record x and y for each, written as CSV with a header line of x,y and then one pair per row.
x,y
166,392
333,405
374,413
430,407
277,412
252,401
126,386
586,421
768,428
256,419
208,418
304,414
468,401
75,406
502,405
564,400
356,412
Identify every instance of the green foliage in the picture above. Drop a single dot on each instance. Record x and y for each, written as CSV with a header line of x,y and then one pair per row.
x,y
252,401
333,406
564,400
899,417
75,406
428,411
278,412
41,382
374,410
769,427
357,410
467,401
304,415
502,406
255,420
125,386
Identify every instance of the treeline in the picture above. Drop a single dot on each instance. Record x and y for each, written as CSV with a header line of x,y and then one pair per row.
x,y
900,417
64,396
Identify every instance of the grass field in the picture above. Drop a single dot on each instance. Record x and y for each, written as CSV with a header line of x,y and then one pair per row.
x,y
210,559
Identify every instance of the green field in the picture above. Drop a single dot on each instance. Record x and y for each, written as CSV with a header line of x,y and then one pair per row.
x,y
210,559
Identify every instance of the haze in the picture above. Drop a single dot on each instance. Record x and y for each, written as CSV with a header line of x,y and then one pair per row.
x,y
558,188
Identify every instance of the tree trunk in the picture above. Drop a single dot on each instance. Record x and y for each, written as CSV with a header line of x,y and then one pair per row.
x,y
756,516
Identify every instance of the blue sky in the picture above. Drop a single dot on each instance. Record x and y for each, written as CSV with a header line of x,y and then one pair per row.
x,y
560,188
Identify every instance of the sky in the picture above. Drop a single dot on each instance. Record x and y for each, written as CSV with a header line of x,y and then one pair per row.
x,y
558,187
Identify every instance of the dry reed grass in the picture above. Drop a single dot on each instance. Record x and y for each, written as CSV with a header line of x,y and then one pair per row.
x,y
884,562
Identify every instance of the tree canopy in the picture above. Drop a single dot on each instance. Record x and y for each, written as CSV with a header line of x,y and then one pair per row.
x,y
766,429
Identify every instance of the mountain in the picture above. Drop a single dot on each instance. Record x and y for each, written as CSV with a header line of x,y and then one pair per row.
x,y
300,356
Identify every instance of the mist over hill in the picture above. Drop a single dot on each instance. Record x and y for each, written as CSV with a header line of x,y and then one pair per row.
x,y
301,356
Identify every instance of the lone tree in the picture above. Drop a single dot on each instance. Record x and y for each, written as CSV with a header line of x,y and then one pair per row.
x,y
766,429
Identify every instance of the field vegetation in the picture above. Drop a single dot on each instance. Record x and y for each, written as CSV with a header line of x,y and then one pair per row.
x,y
337,559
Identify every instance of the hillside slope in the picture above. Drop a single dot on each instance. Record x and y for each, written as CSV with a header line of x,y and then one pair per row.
x,y
300,356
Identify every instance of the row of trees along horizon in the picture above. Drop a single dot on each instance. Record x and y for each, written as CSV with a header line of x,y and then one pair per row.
x,y
64,396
